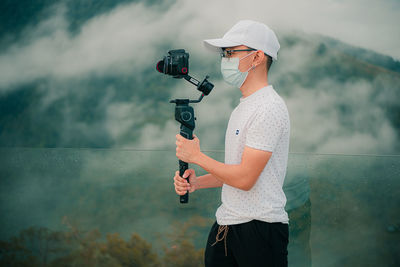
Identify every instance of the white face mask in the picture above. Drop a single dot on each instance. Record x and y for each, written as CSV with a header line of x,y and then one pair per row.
x,y
231,73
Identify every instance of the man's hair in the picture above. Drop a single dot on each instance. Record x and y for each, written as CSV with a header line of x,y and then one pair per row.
x,y
269,62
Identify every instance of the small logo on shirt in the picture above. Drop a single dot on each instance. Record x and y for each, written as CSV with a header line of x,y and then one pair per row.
x,y
237,132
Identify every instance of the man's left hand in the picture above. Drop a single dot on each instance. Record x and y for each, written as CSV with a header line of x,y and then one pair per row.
x,y
187,150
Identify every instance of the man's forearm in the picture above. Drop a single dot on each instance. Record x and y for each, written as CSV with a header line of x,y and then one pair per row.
x,y
227,174
242,176
207,181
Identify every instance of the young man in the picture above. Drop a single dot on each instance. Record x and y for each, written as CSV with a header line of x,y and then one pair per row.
x,y
251,224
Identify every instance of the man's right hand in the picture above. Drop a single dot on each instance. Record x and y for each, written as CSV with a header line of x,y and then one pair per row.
x,y
182,185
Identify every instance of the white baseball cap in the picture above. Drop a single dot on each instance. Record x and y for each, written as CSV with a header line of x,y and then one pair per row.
x,y
249,33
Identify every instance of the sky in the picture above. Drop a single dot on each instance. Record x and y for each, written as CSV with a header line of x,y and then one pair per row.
x,y
50,50
126,41
368,24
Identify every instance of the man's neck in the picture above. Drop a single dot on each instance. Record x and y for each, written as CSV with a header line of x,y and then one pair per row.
x,y
252,85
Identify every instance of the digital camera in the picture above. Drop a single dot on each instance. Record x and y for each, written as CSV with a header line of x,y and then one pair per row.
x,y
176,63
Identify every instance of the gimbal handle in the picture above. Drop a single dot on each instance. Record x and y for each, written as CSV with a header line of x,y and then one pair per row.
x,y
183,166
185,115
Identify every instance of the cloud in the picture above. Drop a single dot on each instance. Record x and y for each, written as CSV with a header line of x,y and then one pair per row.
x,y
372,26
318,126
120,42
126,41
127,37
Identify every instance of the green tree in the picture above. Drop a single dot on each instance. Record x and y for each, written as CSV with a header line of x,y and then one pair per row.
x,y
35,246
136,252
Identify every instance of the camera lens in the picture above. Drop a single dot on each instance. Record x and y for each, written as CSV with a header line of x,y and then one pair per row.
x,y
160,66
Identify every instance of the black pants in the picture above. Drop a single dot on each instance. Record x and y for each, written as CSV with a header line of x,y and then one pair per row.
x,y
252,244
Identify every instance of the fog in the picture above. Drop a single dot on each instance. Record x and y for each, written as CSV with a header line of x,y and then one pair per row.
x,y
126,42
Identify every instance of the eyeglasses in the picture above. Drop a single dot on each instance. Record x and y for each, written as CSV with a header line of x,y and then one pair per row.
x,y
228,53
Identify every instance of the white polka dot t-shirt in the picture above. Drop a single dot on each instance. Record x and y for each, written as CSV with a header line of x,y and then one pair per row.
x,y
260,121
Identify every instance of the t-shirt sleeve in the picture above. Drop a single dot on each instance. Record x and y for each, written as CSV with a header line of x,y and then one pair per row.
x,y
266,128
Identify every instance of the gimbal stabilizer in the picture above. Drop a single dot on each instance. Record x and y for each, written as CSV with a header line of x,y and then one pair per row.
x,y
185,115
176,64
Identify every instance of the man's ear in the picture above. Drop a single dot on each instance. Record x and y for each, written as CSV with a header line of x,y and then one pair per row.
x,y
259,58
